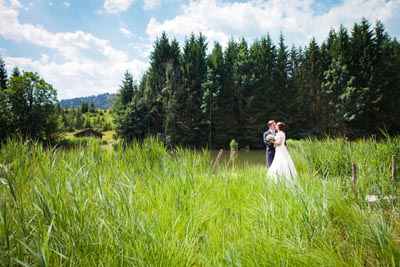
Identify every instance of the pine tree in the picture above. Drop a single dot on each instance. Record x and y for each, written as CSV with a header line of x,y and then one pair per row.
x,y
170,93
226,124
341,48
91,108
3,75
361,67
160,63
134,121
242,93
127,93
78,120
84,107
382,77
283,94
392,96
194,70
385,79
211,90
310,93
264,107
4,111
15,72
336,87
295,58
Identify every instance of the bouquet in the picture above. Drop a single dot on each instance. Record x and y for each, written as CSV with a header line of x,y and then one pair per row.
x,y
270,137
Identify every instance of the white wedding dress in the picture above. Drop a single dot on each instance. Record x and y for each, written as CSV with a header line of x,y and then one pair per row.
x,y
282,166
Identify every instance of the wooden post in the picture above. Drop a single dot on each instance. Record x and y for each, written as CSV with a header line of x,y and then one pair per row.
x,y
217,160
354,175
393,168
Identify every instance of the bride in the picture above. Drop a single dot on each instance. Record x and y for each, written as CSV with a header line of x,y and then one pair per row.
x,y
282,166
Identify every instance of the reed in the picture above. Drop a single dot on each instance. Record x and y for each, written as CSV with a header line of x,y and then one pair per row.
x,y
145,205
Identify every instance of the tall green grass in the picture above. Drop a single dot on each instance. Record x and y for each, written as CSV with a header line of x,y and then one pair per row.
x,y
145,205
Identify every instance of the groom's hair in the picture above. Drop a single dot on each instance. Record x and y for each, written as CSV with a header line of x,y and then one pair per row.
x,y
270,122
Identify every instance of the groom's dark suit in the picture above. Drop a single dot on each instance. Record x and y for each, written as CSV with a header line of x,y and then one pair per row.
x,y
270,153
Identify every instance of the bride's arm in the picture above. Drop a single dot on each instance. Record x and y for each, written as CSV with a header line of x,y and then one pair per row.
x,y
278,140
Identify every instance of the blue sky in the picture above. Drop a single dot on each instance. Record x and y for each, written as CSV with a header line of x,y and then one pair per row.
x,y
83,47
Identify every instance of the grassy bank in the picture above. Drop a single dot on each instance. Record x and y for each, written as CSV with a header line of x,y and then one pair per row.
x,y
108,136
147,206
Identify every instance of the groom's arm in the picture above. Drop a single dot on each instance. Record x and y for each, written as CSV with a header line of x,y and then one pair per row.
x,y
268,143
265,138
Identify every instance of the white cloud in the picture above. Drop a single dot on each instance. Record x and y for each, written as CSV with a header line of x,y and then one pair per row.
x,y
15,4
85,64
66,4
116,6
151,4
125,32
142,48
44,58
73,79
297,20
352,11
219,21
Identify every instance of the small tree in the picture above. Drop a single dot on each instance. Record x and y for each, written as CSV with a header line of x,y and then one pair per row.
x,y
91,108
133,123
234,145
84,107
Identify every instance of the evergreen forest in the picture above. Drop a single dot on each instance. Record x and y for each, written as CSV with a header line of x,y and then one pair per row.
x,y
347,86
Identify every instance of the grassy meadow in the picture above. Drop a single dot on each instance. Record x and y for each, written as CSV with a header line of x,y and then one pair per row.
x,y
146,205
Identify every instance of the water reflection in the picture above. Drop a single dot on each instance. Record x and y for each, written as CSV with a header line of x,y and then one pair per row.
x,y
242,157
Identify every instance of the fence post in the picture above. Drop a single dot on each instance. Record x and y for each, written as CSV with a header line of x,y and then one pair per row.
x,y
393,168
354,175
217,160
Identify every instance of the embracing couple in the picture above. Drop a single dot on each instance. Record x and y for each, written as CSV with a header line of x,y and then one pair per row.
x,y
279,162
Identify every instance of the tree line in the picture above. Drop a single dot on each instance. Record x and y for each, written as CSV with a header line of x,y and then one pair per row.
x,y
347,86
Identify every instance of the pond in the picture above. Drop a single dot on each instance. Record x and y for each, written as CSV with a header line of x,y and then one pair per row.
x,y
242,157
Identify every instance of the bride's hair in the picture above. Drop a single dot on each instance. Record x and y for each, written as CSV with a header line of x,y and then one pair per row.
x,y
280,125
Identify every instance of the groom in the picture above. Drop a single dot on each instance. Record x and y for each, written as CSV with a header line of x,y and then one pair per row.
x,y
270,153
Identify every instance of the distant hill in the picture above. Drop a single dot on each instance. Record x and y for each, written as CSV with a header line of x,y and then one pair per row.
x,y
102,101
